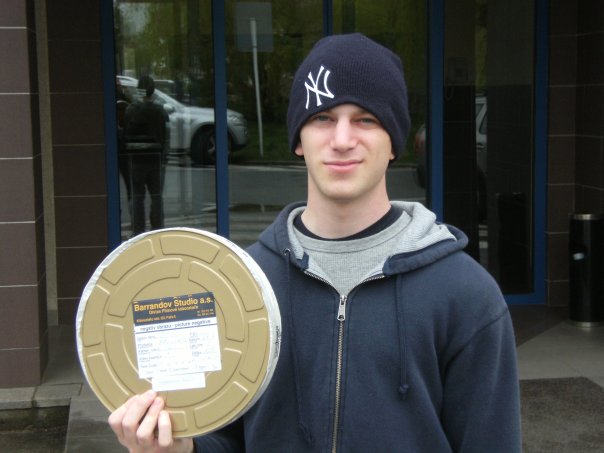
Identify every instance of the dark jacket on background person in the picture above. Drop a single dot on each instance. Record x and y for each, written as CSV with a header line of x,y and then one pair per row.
x,y
145,127
145,140
418,357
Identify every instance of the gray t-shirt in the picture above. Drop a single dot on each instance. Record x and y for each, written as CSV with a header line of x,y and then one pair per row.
x,y
347,263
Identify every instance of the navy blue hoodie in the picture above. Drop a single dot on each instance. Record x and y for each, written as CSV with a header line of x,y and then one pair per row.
x,y
418,358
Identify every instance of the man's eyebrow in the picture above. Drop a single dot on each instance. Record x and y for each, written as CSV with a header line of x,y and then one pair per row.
x,y
357,111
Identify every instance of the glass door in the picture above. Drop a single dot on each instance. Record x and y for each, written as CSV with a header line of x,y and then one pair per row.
x,y
488,134
165,114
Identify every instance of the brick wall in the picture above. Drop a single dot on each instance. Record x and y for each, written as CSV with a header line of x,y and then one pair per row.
x,y
76,98
23,327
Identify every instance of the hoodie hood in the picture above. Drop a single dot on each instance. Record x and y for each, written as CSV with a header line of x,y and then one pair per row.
x,y
420,239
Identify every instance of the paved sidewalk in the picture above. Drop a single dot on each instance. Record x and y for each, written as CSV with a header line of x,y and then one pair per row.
x,y
564,351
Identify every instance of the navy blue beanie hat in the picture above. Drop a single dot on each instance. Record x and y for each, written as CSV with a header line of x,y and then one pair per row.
x,y
342,69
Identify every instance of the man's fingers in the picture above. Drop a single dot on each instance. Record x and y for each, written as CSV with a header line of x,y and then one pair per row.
x,y
116,417
145,434
166,442
164,430
142,424
137,409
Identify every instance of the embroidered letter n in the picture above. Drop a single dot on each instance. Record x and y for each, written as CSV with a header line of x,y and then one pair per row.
x,y
315,87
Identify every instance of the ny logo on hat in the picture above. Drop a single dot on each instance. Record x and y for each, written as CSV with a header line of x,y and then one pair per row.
x,y
315,87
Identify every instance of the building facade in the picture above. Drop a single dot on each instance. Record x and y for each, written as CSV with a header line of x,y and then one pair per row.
x,y
222,71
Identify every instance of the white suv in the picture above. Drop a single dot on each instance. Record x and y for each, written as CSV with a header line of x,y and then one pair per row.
x,y
192,128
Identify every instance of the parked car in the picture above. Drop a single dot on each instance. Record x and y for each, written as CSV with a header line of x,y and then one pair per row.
x,y
192,128
419,149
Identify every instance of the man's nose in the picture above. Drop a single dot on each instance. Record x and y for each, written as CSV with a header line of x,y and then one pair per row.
x,y
344,137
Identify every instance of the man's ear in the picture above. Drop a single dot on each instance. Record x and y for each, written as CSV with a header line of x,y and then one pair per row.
x,y
299,151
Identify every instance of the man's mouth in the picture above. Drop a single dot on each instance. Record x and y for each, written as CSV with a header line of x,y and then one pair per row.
x,y
342,166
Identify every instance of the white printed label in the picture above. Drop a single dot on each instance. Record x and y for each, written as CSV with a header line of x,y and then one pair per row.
x,y
177,339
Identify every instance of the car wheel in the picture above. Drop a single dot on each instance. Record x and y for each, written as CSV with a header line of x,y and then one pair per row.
x,y
203,147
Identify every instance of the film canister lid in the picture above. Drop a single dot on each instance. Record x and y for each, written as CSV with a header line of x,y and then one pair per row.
x,y
188,313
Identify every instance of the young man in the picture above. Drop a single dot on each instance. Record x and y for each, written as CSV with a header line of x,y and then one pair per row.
x,y
393,338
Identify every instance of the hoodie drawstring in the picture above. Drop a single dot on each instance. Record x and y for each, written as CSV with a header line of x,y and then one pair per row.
x,y
306,434
402,336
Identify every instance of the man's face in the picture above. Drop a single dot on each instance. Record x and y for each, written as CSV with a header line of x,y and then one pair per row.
x,y
347,152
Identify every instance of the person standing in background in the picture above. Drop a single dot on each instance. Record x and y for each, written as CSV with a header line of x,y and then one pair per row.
x,y
145,139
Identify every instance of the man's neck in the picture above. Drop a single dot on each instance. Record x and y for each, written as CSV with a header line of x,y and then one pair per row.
x,y
338,220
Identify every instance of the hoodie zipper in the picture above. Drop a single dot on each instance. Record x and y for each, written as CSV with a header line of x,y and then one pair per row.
x,y
336,418
341,318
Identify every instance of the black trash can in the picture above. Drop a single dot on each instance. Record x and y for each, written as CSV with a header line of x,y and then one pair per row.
x,y
586,273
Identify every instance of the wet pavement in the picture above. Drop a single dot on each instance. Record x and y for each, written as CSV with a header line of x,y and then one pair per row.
x,y
32,430
50,440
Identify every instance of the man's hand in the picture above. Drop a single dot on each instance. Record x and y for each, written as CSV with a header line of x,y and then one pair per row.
x,y
141,425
